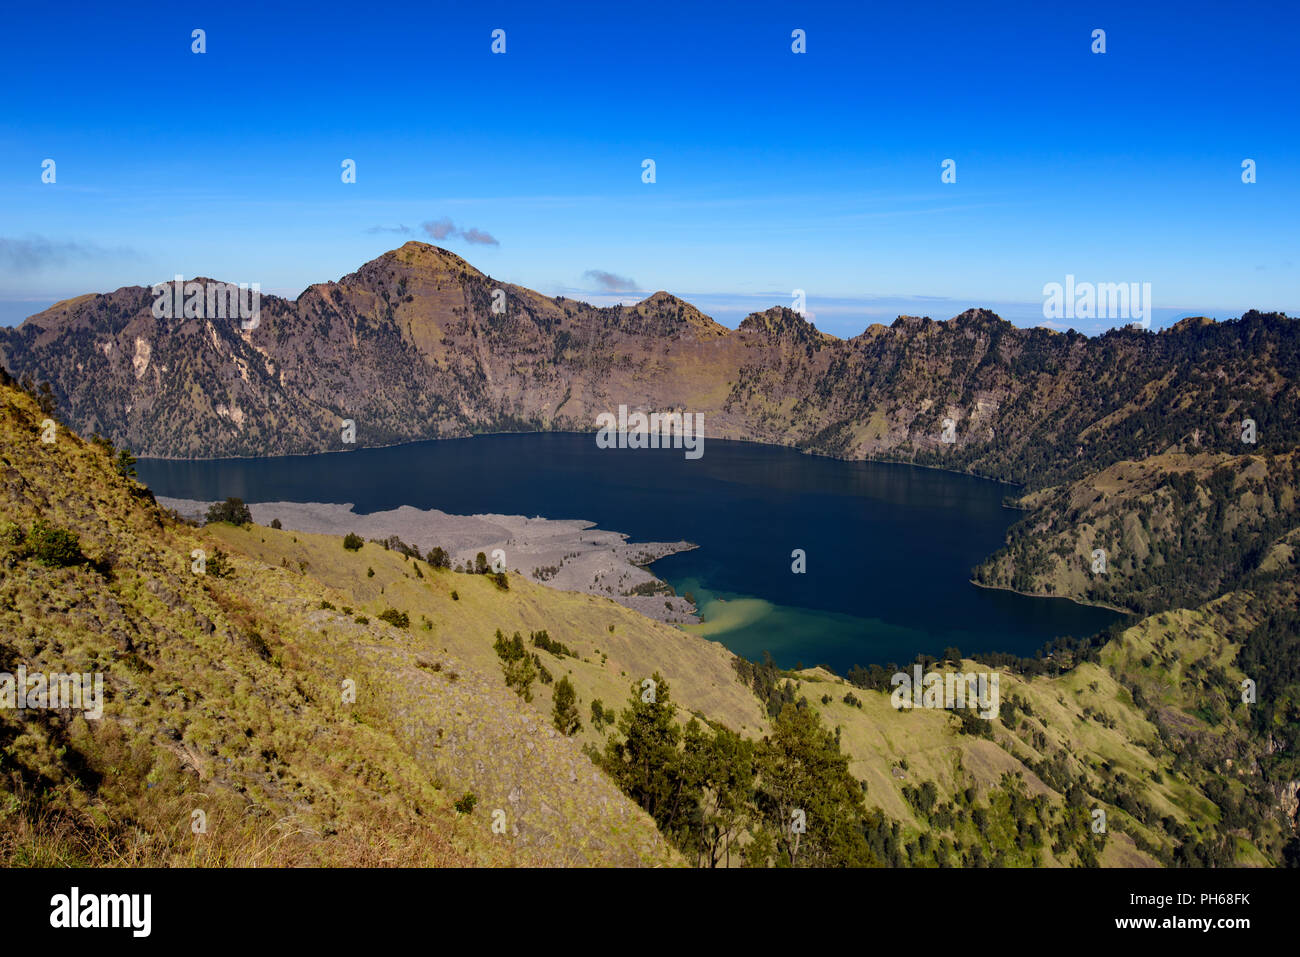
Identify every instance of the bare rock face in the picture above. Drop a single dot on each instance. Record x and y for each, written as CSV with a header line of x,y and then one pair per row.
x,y
1289,802
419,344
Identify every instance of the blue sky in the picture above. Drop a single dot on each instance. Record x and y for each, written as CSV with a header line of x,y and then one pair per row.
x,y
775,171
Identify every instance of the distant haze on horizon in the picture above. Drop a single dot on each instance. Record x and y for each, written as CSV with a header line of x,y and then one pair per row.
x,y
844,318
774,171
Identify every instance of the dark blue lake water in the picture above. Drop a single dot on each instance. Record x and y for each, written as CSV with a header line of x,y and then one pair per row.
x,y
889,548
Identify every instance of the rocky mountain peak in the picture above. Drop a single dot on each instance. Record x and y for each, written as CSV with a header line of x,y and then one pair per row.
x,y
675,315
783,323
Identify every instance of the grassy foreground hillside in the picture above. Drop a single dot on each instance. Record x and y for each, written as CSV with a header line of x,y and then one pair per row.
x,y
320,704
225,696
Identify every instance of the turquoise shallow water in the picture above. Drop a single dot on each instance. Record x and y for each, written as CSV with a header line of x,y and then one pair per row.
x,y
889,548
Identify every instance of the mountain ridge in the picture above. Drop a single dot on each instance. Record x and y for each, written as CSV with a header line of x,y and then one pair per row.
x,y
409,347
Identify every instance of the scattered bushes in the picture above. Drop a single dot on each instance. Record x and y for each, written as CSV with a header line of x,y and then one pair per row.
x,y
394,544
541,639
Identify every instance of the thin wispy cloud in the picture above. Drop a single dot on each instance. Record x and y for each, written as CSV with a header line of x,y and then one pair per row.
x,y
609,282
444,228
35,253
402,230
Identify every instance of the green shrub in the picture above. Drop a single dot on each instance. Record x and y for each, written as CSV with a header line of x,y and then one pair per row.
x,y
398,619
353,542
218,565
466,804
52,546
233,511
12,535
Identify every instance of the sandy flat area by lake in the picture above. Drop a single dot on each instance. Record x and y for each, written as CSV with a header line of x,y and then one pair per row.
x,y
567,554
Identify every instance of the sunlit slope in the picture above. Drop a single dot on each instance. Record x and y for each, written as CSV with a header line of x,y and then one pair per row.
x,y
227,696
614,646
1079,739
1147,734
268,694
1172,529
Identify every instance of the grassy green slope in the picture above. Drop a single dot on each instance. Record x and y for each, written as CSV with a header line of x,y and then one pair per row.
x,y
225,695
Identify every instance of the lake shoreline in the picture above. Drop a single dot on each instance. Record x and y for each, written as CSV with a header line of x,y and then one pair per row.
x,y
1126,612
850,557
873,460
565,554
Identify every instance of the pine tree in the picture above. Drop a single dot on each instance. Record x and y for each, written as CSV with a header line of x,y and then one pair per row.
x,y
808,800
566,708
125,463
517,663
645,762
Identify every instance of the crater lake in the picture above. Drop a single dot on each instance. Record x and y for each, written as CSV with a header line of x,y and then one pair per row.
x,y
889,548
